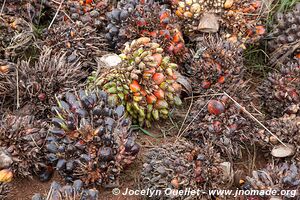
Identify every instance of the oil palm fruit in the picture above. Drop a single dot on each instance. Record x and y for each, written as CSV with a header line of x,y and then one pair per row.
x,y
282,176
22,138
146,82
16,37
216,15
181,165
285,36
217,66
80,42
149,19
4,190
68,192
223,123
281,92
90,140
39,81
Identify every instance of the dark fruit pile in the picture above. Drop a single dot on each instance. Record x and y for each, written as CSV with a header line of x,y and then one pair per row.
x,y
68,192
16,37
281,91
182,165
4,190
23,138
285,36
217,66
90,140
145,82
222,122
283,176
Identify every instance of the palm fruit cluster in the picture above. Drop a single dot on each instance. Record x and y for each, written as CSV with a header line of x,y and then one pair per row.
x,y
182,165
68,192
222,122
37,82
149,19
285,36
286,129
281,92
80,42
90,140
283,176
4,190
239,18
145,82
22,137
217,66
16,37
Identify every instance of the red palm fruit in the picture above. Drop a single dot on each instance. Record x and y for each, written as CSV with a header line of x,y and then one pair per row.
x,y
158,58
151,99
135,86
260,30
159,94
163,16
177,87
179,47
221,79
158,78
88,1
177,37
205,84
143,92
215,107
153,34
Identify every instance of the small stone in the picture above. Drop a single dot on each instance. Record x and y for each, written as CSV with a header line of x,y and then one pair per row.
x,y
5,160
111,60
208,23
281,151
273,140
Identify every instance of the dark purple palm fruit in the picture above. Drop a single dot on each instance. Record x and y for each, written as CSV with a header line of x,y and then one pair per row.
x,y
68,192
37,82
217,66
182,165
23,137
221,121
90,140
280,92
4,190
285,36
80,42
16,37
279,177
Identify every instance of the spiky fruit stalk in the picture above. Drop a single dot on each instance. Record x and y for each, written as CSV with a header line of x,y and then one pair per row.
x,y
22,137
285,36
182,165
90,140
37,83
283,176
68,192
145,82
80,42
149,19
281,92
222,122
16,37
217,66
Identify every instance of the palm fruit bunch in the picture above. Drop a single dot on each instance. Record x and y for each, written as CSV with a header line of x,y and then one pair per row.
x,y
222,122
37,83
217,66
285,36
286,129
68,192
282,176
90,140
280,92
148,19
240,17
145,82
16,37
80,42
22,137
91,12
182,165
4,190
34,11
